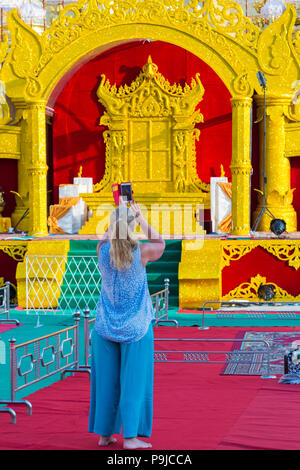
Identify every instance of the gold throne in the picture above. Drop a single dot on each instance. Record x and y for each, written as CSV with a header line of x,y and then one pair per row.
x,y
150,141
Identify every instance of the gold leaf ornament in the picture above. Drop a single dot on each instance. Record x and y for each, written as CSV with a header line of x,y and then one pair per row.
x,y
25,52
241,85
275,198
273,46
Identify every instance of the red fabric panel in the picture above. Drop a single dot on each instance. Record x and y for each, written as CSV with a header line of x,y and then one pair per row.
x,y
259,261
8,268
295,183
194,406
77,136
9,182
271,422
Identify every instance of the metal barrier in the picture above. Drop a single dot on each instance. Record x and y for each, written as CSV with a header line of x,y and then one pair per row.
x,y
249,314
202,357
5,304
160,302
229,356
41,358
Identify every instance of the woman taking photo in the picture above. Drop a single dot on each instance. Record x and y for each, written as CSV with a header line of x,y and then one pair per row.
x,y
122,339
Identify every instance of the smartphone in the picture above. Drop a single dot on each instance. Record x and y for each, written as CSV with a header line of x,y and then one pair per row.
x,y
126,192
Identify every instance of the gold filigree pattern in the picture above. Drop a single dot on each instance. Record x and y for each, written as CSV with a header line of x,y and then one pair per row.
x,y
17,252
248,291
289,253
234,252
274,47
77,19
284,250
218,22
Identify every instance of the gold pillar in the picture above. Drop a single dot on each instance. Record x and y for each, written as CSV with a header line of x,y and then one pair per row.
x,y
22,204
241,165
37,167
277,166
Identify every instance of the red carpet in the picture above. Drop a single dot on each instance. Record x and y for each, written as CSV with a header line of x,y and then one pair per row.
x,y
7,326
271,421
194,408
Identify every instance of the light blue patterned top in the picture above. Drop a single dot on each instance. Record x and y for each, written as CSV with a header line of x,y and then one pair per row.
x,y
125,309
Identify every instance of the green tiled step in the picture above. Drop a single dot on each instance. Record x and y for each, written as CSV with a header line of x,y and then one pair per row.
x,y
172,255
87,264
162,267
157,287
84,277
72,303
76,290
158,278
166,267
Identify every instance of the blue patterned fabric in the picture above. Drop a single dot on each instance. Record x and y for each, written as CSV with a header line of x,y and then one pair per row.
x,y
124,311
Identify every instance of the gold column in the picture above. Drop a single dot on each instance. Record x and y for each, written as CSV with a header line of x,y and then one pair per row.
x,y
241,165
22,204
278,171
37,167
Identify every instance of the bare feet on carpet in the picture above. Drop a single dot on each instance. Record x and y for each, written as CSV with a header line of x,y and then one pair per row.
x,y
134,443
106,440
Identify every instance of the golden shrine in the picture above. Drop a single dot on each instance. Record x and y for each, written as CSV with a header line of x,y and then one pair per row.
x,y
150,125
150,141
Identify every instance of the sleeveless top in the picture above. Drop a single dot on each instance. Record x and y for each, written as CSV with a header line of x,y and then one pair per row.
x,y
124,311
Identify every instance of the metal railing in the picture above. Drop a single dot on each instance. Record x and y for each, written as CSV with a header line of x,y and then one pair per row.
x,y
194,356
160,302
5,304
203,357
251,314
41,358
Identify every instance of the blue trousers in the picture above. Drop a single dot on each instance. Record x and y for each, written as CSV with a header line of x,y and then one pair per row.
x,y
122,386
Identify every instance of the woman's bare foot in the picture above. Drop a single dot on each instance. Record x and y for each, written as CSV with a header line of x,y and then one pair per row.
x,y
106,440
134,443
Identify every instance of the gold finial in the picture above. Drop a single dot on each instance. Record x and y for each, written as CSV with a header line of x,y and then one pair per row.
x,y
80,172
150,68
222,171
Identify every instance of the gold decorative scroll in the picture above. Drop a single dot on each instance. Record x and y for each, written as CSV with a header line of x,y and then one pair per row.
x,y
248,291
15,251
284,250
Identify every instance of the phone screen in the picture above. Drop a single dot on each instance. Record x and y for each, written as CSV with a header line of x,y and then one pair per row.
x,y
126,191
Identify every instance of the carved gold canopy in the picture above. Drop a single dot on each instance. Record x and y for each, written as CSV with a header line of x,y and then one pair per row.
x,y
151,133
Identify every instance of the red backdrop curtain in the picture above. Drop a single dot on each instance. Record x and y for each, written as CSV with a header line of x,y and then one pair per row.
x,y
77,136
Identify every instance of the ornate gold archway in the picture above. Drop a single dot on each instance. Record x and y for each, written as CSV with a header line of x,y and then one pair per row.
x,y
215,31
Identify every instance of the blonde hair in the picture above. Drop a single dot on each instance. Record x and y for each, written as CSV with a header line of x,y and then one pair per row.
x,y
123,241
